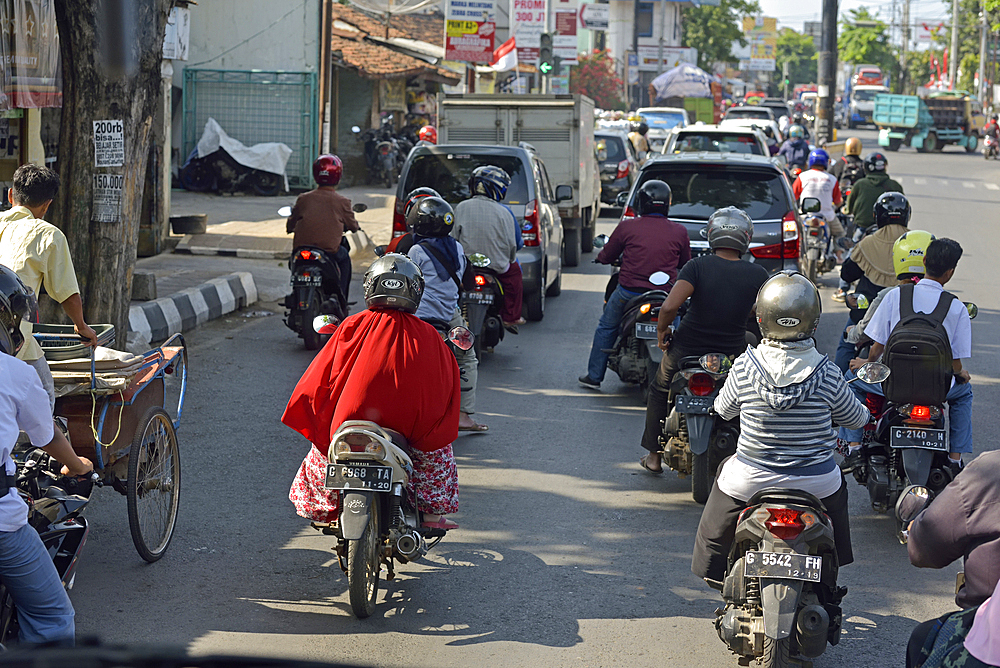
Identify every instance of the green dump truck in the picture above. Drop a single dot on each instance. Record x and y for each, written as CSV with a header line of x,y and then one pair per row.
x,y
926,124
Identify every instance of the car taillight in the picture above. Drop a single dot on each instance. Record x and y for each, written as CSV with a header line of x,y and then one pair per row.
x,y
398,220
480,280
701,384
529,230
785,249
784,523
622,169
627,212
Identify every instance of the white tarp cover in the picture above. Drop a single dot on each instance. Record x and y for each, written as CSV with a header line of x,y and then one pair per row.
x,y
267,157
685,80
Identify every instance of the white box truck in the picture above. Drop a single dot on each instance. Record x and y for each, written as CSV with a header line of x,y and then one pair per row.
x,y
558,128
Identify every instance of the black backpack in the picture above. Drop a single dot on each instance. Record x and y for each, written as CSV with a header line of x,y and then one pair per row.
x,y
853,171
919,353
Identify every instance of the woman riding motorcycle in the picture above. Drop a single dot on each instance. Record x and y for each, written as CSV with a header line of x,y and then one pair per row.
x,y
387,366
786,395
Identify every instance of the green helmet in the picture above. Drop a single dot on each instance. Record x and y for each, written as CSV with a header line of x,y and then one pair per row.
x,y
788,307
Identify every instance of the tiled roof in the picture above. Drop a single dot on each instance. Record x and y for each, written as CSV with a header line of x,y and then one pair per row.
x,y
423,27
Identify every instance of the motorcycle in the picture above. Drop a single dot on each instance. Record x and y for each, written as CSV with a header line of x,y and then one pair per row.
x,y
819,254
55,510
220,172
382,152
991,147
695,439
483,305
315,283
370,468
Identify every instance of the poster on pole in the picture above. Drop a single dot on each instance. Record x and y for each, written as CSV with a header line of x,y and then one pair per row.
x,y
528,18
470,26
109,144
595,17
762,33
107,201
564,41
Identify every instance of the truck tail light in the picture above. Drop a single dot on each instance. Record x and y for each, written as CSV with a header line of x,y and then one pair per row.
x,y
530,228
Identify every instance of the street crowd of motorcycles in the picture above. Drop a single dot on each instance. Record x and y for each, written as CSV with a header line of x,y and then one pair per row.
x,y
386,150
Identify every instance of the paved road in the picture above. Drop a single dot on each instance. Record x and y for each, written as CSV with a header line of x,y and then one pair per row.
x,y
568,555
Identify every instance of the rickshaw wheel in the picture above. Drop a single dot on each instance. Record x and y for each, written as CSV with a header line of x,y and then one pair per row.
x,y
153,484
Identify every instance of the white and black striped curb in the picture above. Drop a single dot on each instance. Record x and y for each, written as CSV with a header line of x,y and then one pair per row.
x,y
158,319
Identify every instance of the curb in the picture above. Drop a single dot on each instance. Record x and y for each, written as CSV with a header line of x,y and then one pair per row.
x,y
158,319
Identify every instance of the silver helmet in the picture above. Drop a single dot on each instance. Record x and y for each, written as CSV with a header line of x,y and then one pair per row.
x,y
788,307
730,228
393,281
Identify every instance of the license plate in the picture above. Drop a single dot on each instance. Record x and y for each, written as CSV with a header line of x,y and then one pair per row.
x,y
358,476
925,439
782,565
482,297
307,280
687,403
645,330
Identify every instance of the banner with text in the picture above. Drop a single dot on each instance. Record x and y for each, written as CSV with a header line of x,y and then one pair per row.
x,y
528,18
470,26
762,33
564,40
649,57
595,17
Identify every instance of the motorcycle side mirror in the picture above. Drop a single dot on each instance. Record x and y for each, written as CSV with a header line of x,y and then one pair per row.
x,y
621,200
810,205
355,129
601,240
462,337
912,502
479,260
325,324
659,278
285,211
379,250
872,372
360,207
972,309
715,363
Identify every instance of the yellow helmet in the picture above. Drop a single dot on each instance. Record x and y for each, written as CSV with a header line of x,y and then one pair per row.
x,y
908,252
852,146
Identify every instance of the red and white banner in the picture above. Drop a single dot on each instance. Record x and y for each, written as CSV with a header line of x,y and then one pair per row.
x,y
470,26
505,57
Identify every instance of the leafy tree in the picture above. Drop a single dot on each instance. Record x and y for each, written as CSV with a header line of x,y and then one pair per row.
x,y
867,43
596,77
712,30
799,51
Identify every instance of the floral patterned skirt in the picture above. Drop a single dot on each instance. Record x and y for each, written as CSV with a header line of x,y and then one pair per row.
x,y
435,479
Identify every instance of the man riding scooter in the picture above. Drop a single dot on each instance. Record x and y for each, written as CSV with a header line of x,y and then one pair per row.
x,y
796,148
817,182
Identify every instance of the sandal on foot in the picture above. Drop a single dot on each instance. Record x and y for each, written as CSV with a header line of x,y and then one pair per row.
x,y
642,463
442,523
478,428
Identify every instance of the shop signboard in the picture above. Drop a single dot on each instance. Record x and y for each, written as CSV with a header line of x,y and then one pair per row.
x,y
29,49
595,16
528,18
564,40
649,57
762,33
470,26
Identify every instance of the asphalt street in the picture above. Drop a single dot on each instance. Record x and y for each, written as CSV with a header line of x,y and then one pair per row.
x,y
568,553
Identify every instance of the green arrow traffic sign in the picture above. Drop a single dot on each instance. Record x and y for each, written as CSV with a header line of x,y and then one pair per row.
x,y
545,68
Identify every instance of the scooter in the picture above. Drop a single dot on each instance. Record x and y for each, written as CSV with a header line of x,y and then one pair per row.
x,y
381,152
315,283
380,523
991,147
819,247
483,305
219,171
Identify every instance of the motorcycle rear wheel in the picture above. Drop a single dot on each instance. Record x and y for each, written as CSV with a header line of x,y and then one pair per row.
x,y
363,566
310,336
265,184
776,653
701,478
809,269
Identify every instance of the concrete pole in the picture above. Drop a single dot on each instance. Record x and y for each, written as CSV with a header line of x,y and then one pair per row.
x,y
953,53
905,45
663,30
981,93
827,67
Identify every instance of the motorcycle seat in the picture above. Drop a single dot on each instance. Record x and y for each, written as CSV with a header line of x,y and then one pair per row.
x,y
789,496
398,439
691,361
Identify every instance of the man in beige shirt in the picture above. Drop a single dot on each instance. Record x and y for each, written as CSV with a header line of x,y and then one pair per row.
x,y
39,254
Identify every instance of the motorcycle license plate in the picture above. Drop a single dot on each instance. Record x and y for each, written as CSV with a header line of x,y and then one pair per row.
x,y
312,279
782,566
481,297
690,404
358,476
925,439
645,330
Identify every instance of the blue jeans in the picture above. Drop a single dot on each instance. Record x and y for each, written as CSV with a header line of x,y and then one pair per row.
x,y
959,400
845,349
44,611
607,332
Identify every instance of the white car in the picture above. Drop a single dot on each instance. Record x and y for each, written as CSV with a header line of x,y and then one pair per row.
x,y
716,139
754,123
661,120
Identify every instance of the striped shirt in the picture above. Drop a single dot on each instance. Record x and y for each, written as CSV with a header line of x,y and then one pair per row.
x,y
487,227
788,429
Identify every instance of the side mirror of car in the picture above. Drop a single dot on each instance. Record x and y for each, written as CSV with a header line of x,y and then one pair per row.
x,y
360,207
810,205
601,240
622,199
564,193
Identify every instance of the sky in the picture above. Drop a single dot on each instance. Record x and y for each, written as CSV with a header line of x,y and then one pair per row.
x,y
792,13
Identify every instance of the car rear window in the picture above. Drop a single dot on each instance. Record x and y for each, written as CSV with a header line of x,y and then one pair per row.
x,y
699,190
748,113
717,142
448,173
615,148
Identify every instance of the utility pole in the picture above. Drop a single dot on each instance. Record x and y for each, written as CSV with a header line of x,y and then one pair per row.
x,y
953,54
827,67
905,47
981,93
635,49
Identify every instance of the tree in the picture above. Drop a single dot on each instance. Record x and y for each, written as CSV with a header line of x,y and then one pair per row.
x,y
712,30
799,51
864,39
97,88
596,77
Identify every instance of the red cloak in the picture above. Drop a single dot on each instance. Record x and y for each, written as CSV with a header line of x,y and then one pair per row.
x,y
388,367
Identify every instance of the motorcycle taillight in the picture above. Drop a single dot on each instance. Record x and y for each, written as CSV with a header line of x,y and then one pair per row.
x,y
874,402
480,281
701,384
784,523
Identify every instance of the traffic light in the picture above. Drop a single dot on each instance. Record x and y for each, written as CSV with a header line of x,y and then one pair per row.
x,y
556,66
545,64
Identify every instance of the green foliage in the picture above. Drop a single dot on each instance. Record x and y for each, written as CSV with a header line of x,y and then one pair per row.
x,y
917,69
866,44
596,77
712,30
799,52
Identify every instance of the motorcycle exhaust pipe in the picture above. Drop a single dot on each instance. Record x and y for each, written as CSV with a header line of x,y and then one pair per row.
x,y
411,546
813,626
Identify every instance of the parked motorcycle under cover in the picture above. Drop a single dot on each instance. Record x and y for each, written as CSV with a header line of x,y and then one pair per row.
x,y
224,163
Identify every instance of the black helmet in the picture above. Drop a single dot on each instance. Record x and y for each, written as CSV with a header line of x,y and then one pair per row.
x,y
17,301
393,281
489,181
994,117
653,197
875,162
892,209
415,195
431,217
642,128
